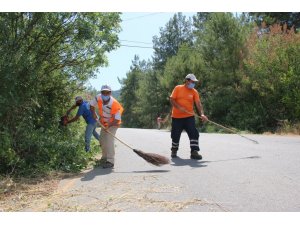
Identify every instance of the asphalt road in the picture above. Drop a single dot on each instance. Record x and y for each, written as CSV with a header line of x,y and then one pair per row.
x,y
234,175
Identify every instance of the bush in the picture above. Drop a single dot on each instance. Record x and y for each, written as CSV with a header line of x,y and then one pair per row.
x,y
286,127
42,150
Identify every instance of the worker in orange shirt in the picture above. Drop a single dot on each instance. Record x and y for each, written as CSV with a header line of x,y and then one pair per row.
x,y
182,99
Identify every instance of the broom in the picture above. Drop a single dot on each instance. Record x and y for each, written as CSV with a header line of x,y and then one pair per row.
x,y
226,128
153,158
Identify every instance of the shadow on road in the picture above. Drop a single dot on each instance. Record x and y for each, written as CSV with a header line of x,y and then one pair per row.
x,y
187,162
223,160
98,171
193,163
152,171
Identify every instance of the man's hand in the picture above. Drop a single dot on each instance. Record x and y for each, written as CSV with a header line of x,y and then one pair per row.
x,y
66,121
204,118
105,127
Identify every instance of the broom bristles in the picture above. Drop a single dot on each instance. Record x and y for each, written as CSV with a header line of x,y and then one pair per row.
x,y
153,158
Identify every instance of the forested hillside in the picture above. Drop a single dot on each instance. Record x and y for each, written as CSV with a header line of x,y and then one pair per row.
x,y
248,67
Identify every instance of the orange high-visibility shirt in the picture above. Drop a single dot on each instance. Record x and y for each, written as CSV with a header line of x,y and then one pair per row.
x,y
185,97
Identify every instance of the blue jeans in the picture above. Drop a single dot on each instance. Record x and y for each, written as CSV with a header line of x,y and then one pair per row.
x,y
89,131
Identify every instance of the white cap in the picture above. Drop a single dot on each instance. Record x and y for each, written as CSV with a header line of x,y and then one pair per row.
x,y
191,77
78,98
105,88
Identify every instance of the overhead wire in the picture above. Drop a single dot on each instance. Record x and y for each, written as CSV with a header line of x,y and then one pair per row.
x,y
137,17
147,43
137,46
140,42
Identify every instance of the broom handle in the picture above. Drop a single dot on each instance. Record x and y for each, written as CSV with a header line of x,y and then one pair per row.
x,y
232,131
226,128
106,130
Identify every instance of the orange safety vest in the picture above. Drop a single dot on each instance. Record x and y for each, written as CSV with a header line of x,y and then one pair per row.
x,y
115,107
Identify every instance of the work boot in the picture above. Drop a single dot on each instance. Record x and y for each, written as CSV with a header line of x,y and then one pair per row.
x,y
195,155
174,154
100,162
108,165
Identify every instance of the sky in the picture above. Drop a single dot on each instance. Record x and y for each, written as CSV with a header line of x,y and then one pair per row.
x,y
137,30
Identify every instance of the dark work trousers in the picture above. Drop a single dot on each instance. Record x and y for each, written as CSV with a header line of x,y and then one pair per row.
x,y
188,124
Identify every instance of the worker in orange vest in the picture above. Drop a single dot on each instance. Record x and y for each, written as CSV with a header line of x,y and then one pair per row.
x,y
110,111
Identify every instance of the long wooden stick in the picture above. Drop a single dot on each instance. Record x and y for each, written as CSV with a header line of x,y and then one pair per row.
x,y
106,130
226,128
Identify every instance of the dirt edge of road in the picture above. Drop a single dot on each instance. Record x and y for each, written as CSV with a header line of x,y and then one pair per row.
x,y
16,195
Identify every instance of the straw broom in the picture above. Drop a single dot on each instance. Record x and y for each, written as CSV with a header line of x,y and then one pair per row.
x,y
153,158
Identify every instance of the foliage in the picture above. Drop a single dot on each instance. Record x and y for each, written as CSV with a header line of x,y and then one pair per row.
x,y
221,49
149,99
128,95
45,58
291,19
176,32
199,21
272,75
